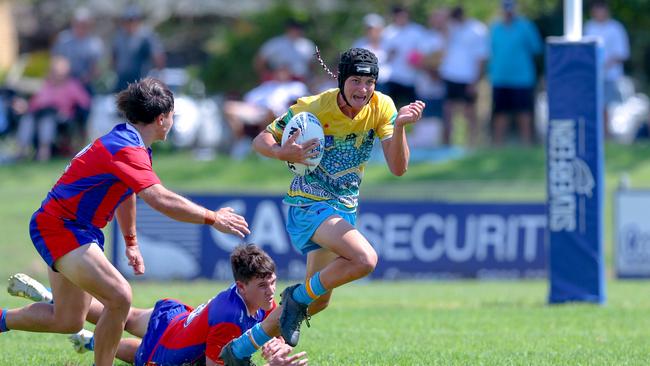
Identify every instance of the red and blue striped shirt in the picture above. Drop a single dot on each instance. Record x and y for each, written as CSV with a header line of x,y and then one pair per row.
x,y
101,176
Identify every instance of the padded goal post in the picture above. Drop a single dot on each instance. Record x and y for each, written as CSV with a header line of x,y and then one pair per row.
x,y
575,165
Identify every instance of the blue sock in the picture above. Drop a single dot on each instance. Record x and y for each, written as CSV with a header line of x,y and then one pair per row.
x,y
250,341
91,345
3,320
310,290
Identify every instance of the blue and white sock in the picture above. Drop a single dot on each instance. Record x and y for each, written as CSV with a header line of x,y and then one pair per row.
x,y
250,341
3,321
310,290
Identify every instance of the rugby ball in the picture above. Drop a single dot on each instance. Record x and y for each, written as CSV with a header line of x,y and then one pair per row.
x,y
310,128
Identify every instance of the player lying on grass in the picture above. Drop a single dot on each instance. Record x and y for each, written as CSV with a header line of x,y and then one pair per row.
x,y
101,182
323,203
173,333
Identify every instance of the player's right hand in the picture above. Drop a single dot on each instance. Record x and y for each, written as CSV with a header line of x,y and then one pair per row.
x,y
297,153
227,221
135,259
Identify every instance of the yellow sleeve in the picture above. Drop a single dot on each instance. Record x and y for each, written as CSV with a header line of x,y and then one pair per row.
x,y
276,128
386,121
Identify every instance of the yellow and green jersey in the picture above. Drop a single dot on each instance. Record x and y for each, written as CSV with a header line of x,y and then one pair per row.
x,y
348,144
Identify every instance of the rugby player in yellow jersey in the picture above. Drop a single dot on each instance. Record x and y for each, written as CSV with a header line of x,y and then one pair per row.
x,y
323,203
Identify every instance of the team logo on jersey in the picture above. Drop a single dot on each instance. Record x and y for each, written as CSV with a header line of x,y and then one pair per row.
x,y
194,314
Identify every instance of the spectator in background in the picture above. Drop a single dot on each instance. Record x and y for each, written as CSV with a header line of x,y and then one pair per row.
x,y
56,104
290,48
461,69
429,88
81,47
136,49
372,41
514,43
401,42
616,50
260,106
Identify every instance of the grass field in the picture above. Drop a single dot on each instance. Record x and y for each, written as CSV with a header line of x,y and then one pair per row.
x,y
374,323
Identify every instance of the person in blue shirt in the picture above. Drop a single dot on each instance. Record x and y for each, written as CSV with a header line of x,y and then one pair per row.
x,y
514,43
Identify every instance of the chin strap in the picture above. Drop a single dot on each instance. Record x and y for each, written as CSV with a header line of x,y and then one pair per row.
x,y
345,99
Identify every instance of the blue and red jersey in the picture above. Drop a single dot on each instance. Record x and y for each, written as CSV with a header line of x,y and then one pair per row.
x,y
180,335
92,186
101,176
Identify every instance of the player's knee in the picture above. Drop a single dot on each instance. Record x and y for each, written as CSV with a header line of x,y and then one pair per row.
x,y
120,298
366,263
71,325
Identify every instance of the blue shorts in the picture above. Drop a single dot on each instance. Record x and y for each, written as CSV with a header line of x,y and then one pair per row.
x,y
303,221
163,313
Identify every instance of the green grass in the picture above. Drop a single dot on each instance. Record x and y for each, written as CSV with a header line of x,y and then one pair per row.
x,y
414,323
425,323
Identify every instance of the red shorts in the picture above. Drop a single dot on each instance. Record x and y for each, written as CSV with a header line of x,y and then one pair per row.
x,y
54,237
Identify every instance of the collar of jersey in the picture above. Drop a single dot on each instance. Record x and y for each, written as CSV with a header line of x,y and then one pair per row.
x,y
254,316
133,129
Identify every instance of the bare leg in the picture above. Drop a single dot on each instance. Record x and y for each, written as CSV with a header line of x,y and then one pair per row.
x,y
127,349
65,316
447,121
499,128
136,322
351,258
524,123
472,124
356,257
89,269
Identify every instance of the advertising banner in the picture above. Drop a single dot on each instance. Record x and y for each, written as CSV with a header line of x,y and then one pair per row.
x,y
413,239
632,233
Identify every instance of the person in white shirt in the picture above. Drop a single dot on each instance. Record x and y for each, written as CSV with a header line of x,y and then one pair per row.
x,y
429,87
461,69
372,41
260,105
402,40
616,50
290,48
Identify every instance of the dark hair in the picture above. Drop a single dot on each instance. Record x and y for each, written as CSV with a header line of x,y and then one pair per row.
x,y
249,261
144,100
294,23
457,13
396,9
602,4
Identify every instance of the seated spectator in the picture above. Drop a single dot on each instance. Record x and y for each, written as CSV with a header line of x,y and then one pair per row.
x,y
260,106
55,105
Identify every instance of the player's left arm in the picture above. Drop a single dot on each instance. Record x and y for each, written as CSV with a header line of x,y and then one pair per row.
x,y
396,150
125,215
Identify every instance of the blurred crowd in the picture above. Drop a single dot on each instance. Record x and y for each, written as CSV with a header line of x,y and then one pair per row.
x,y
452,63
53,119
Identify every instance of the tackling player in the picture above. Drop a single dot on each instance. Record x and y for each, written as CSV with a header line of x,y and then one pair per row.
x,y
175,334
102,181
323,203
